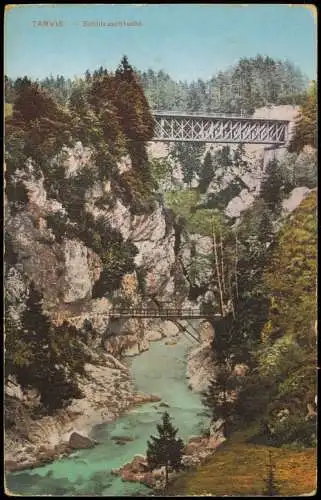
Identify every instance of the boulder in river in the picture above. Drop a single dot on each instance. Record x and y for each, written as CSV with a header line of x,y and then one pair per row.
x,y
163,405
122,439
140,398
171,342
79,442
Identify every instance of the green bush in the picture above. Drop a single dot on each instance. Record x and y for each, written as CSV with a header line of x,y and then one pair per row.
x,y
141,278
118,260
295,431
136,188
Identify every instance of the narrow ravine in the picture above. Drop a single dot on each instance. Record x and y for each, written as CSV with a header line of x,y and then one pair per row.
x,y
161,371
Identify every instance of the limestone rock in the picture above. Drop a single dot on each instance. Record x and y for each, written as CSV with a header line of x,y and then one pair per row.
x,y
79,442
239,204
77,275
76,158
296,196
140,398
200,367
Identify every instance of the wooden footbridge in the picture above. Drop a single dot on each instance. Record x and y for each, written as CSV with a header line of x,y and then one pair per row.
x,y
170,314
163,313
171,126
173,314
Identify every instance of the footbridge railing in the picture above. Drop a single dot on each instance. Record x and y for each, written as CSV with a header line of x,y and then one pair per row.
x,y
164,313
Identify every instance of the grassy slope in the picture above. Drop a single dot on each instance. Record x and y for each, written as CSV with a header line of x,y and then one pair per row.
x,y
240,468
183,202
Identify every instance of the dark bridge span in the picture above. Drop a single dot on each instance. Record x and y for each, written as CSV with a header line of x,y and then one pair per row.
x,y
174,126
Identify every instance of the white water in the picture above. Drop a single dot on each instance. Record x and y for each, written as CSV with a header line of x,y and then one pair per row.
x,y
160,371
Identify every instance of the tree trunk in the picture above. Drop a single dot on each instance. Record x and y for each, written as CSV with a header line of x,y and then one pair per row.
x,y
166,474
224,412
231,295
236,262
217,270
222,262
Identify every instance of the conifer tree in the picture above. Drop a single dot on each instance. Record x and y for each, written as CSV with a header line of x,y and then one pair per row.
x,y
218,399
223,157
165,450
271,487
136,120
271,186
238,157
305,132
47,358
206,172
188,155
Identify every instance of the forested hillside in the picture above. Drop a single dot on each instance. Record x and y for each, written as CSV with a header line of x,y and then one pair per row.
x,y
251,83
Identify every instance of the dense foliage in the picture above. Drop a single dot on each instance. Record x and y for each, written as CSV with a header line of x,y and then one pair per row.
x,y
272,329
288,350
42,356
251,83
305,132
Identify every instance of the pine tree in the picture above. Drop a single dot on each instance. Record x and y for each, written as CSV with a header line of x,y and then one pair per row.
x,y
271,487
218,396
35,332
305,132
136,119
206,172
44,357
271,186
166,449
238,158
188,155
223,157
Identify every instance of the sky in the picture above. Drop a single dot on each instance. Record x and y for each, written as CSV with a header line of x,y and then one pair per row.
x,y
188,41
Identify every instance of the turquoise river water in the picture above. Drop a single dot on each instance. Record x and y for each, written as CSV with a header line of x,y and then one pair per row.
x,y
160,371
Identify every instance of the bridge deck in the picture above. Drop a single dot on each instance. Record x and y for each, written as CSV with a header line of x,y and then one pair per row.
x,y
163,314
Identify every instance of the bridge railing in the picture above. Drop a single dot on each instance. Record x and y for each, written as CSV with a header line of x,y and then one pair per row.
x,y
202,114
158,313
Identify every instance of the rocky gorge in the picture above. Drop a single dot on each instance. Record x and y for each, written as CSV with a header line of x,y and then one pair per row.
x,y
95,430
65,271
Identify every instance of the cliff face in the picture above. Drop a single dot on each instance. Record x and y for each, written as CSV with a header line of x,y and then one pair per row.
x,y
65,270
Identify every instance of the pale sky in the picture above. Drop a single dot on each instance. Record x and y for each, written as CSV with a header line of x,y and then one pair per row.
x,y
188,41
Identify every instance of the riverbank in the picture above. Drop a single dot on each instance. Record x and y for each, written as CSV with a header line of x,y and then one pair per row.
x,y
108,392
30,457
160,371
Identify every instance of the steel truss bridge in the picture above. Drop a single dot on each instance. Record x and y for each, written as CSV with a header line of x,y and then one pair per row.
x,y
173,126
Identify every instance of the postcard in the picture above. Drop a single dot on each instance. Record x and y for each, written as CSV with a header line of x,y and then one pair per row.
x,y
160,250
